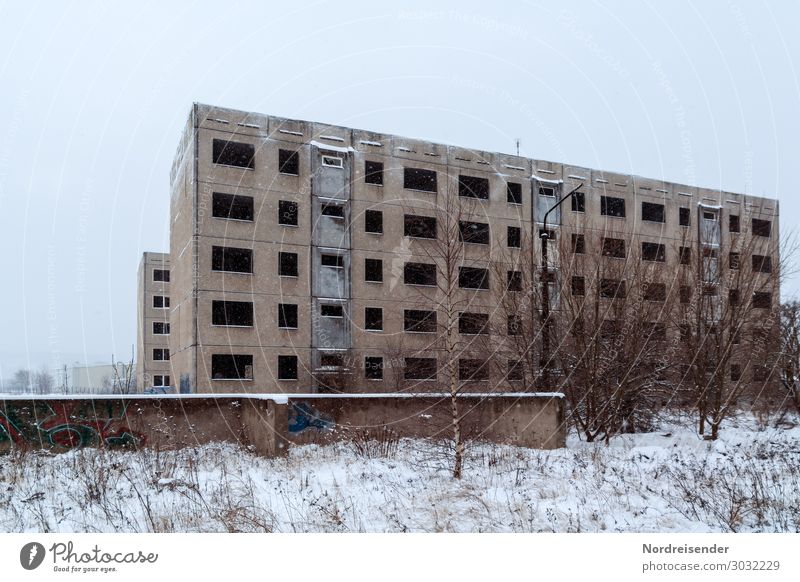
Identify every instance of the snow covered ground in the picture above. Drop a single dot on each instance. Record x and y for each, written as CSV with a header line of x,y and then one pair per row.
x,y
670,481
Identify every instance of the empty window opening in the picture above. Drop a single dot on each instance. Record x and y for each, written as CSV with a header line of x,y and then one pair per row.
x,y
419,274
685,255
232,207
287,264
160,302
654,252
473,323
733,297
733,223
419,179
333,261
654,291
373,368
232,367
611,206
420,369
762,300
287,212
578,244
373,319
514,237
161,275
514,192
708,215
473,187
287,367
473,278
373,173
578,285
710,290
614,247
373,270
762,264
232,313
288,162
332,210
514,325
419,320
762,227
514,280
684,216
329,310
515,371
232,153
160,354
419,226
612,289
373,221
685,294
652,212
331,360
471,370
287,316
474,232
160,328
231,259
578,201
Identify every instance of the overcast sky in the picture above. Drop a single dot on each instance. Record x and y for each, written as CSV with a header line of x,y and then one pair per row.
x,y
93,98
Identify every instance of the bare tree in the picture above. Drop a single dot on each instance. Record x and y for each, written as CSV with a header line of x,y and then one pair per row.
x,y
43,382
789,355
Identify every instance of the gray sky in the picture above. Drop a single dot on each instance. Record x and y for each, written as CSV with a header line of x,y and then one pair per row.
x,y
94,95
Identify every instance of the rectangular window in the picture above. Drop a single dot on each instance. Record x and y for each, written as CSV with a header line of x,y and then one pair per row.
x,y
161,275
612,289
760,373
514,325
231,367
761,300
287,213
288,162
419,274
160,328
287,316
331,310
653,252
686,255
373,173
232,313
373,368
762,264
333,261
160,380
578,285
473,187
473,232
734,261
733,297
233,153
684,216
419,320
419,226
473,278
231,259
373,270
514,237
160,302
514,280
373,319
614,247
514,193
470,370
420,369
736,372
610,206
685,294
332,161
287,367
160,354
710,290
473,323
578,244
733,223
761,227
419,179
547,191
578,201
232,207
287,264
331,360
373,221
654,292
652,212
515,371
332,210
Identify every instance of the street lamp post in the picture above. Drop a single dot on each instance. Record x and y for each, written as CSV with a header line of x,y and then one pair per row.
x,y
546,292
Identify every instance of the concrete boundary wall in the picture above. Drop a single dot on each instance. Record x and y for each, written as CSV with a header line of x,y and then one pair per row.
x,y
268,423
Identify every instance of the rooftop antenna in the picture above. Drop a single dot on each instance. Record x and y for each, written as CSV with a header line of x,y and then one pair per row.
x,y
517,140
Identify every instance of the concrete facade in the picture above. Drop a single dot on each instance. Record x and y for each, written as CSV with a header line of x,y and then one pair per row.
x,y
271,164
152,313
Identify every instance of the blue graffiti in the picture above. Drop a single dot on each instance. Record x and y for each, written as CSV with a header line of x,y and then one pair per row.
x,y
303,416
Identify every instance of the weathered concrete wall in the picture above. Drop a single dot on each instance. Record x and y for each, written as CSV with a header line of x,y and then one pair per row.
x,y
268,424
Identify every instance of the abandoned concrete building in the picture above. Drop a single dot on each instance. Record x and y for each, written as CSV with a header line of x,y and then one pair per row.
x,y
301,251
152,312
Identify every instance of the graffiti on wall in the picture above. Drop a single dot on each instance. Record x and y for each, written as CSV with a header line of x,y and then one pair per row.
x,y
303,416
67,424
